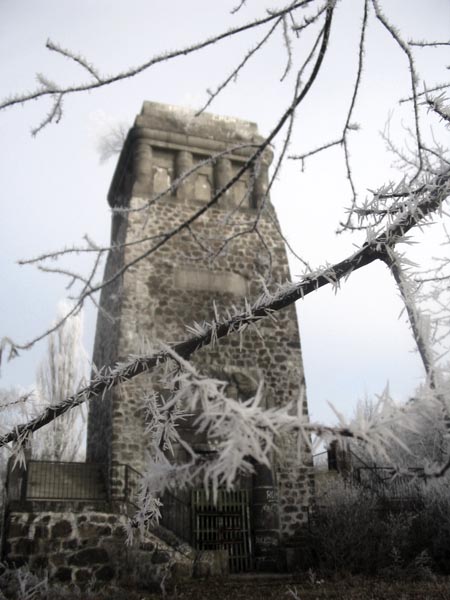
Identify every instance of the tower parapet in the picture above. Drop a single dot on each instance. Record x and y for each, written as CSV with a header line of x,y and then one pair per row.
x,y
166,142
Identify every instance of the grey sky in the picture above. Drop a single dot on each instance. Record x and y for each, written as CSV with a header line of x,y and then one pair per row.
x,y
54,189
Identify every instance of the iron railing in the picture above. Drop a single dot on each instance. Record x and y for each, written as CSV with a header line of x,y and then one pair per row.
x,y
387,482
57,480
384,482
54,480
125,483
176,516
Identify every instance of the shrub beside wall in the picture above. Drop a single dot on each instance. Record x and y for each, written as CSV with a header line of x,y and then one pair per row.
x,y
353,531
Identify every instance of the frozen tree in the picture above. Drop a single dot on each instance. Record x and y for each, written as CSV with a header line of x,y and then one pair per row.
x,y
109,136
380,221
423,442
60,374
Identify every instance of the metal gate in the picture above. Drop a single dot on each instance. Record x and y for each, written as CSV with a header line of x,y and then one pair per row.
x,y
223,526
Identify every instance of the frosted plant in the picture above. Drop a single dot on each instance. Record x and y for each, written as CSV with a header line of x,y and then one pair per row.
x,y
60,374
110,139
240,433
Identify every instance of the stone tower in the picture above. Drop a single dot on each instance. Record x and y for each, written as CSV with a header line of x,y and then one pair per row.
x,y
221,257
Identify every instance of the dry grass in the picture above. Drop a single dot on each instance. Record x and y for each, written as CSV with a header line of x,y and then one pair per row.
x,y
352,588
254,587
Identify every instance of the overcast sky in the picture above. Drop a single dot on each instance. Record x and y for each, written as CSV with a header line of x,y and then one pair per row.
x,y
54,189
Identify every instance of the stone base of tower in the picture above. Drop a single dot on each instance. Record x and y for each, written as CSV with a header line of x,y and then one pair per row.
x,y
175,166
85,544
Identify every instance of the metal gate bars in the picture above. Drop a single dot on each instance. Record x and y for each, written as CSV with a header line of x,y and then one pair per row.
x,y
223,526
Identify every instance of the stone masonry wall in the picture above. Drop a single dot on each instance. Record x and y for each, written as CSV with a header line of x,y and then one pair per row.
x,y
222,258
85,546
106,336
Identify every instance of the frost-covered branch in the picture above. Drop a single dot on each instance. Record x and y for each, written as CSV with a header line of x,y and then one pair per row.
x,y
386,218
425,44
248,165
429,90
239,433
349,126
440,106
413,76
419,325
57,92
236,71
264,307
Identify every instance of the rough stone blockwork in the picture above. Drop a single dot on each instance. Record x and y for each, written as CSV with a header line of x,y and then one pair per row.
x,y
89,546
221,258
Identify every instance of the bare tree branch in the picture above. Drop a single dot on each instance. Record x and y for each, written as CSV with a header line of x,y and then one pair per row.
x,y
413,76
247,166
372,250
424,44
348,126
53,90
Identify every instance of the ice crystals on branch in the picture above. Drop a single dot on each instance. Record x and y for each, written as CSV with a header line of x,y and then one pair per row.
x,y
147,516
238,433
439,105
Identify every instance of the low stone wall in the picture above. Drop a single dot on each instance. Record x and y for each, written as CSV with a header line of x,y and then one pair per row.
x,y
89,545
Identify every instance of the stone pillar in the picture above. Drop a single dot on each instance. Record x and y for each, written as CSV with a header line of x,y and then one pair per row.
x,y
142,168
261,184
184,161
332,456
222,174
266,520
339,459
